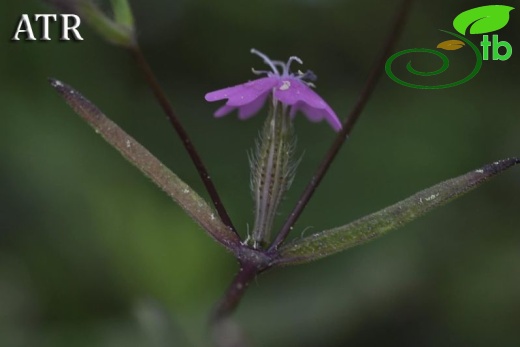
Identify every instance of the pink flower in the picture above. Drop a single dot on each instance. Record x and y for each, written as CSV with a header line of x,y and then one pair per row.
x,y
286,87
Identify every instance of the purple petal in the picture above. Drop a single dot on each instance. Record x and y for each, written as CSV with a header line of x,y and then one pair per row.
x,y
224,110
246,111
317,114
243,94
292,91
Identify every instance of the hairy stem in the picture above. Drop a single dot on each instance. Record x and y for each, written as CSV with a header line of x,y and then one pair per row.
x,y
235,291
347,127
252,262
188,145
225,332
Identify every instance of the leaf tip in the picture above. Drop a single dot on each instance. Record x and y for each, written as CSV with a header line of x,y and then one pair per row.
x,y
55,83
499,166
66,91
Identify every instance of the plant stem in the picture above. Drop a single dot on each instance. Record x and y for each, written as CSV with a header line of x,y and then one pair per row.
x,y
347,127
188,145
235,291
225,332
252,262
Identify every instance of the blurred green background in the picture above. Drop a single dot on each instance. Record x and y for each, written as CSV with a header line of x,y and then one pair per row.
x,y
93,254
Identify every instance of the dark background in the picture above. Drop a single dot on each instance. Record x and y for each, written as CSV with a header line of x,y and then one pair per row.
x,y
93,254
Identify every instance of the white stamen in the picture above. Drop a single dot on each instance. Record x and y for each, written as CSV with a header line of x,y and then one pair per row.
x,y
296,59
285,85
259,72
291,59
266,60
284,67
280,64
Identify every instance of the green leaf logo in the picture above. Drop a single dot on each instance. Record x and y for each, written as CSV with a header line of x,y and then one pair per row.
x,y
451,45
482,20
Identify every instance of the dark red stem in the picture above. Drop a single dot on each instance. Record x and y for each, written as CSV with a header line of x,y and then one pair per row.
x,y
235,291
348,126
188,145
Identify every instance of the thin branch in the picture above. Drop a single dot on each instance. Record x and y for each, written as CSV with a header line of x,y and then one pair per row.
x,y
225,332
347,127
234,293
188,145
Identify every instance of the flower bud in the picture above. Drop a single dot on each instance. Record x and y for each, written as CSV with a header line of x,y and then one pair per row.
x,y
272,170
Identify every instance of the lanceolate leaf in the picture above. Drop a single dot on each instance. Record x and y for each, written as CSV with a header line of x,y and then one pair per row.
x,y
180,192
482,20
372,226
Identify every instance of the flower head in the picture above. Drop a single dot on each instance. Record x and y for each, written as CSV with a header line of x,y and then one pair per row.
x,y
286,87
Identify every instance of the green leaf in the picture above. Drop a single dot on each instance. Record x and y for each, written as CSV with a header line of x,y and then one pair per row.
x,y
118,31
113,32
377,224
123,13
482,20
194,205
